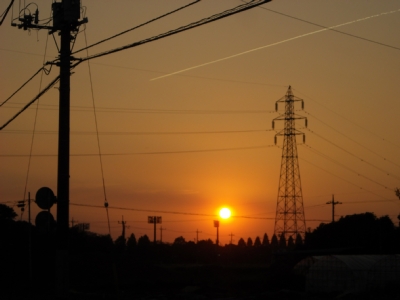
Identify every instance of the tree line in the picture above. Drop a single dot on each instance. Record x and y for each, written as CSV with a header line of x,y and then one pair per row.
x,y
28,253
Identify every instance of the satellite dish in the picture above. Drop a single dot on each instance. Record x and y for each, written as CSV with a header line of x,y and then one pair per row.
x,y
45,198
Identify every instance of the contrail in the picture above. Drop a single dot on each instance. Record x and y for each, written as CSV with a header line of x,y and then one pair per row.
x,y
275,44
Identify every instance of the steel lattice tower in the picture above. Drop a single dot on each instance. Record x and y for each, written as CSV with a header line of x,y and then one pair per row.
x,y
289,219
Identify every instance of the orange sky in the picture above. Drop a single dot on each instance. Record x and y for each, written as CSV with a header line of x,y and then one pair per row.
x,y
159,137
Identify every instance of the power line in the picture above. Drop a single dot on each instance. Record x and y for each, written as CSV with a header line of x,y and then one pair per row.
x,y
99,148
136,27
20,88
344,166
34,124
153,110
319,153
350,121
175,212
354,141
155,71
4,14
146,153
331,29
350,153
267,46
31,102
226,13
141,132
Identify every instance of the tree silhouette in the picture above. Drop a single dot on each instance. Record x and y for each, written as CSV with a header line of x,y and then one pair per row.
x,y
241,243
7,213
360,233
274,242
120,243
290,243
265,241
180,241
282,241
144,241
257,242
299,241
131,243
249,242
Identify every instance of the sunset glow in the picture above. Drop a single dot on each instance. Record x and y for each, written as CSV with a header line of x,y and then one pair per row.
x,y
225,213
184,130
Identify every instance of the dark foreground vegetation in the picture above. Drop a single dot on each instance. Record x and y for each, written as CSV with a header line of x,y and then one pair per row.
x,y
130,268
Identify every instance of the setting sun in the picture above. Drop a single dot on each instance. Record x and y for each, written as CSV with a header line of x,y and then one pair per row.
x,y
225,213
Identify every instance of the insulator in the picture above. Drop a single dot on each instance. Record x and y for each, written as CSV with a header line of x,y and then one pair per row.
x,y
37,16
306,122
304,138
302,104
106,204
276,106
275,140
273,125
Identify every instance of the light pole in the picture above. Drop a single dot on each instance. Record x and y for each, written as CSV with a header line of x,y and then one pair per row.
x,y
154,220
216,224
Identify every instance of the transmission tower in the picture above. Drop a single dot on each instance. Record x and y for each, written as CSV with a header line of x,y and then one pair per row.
x,y
289,219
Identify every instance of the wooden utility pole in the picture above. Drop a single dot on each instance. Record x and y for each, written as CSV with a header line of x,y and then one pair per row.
x,y
197,236
161,230
123,226
231,235
333,207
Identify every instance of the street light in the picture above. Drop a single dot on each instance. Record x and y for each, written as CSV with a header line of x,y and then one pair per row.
x,y
216,224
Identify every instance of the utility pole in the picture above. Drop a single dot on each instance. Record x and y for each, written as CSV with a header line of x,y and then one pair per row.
x,y
161,230
30,241
333,207
231,235
123,226
65,15
197,236
73,222
63,150
289,219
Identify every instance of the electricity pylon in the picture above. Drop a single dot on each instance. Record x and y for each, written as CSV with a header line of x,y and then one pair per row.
x,y
289,219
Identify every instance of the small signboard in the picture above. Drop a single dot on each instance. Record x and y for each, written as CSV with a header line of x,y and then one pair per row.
x,y
154,219
83,226
216,223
